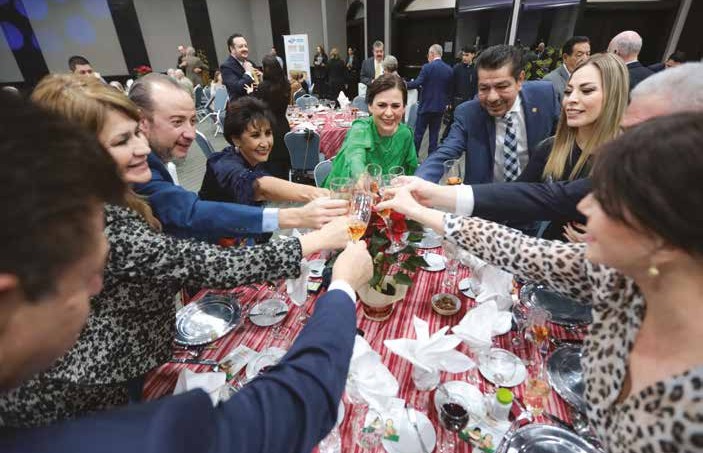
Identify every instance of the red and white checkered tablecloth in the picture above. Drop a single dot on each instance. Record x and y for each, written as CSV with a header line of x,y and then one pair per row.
x,y
417,302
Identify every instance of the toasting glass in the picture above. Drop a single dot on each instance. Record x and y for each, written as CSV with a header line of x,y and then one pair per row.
x,y
359,213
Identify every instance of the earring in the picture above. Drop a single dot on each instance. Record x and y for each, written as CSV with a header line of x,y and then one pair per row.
x,y
653,271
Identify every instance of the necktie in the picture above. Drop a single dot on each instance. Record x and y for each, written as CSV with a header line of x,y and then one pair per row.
x,y
511,164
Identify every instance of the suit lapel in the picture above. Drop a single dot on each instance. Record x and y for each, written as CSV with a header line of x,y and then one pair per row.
x,y
491,131
531,113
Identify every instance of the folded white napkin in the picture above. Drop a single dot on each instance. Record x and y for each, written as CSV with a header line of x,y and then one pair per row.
x,y
481,324
211,383
496,285
431,353
369,379
297,288
342,100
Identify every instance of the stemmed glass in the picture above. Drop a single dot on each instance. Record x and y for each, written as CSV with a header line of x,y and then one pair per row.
x,y
397,243
452,172
341,188
537,389
359,213
454,416
451,254
373,178
298,293
396,171
537,323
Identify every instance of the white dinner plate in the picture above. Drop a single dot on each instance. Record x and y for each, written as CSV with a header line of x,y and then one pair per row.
x,y
430,240
408,441
316,267
469,393
518,378
435,261
267,357
263,314
340,413
465,288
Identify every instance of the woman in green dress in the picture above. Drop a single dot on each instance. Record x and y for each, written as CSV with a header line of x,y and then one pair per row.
x,y
381,138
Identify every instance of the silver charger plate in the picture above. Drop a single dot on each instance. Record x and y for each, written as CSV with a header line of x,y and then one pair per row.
x,y
566,376
430,240
548,439
565,311
207,320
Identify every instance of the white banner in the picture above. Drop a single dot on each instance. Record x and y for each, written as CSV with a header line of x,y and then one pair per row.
x,y
297,54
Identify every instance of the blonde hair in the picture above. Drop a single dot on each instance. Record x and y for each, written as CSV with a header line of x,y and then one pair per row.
x,y
615,81
86,101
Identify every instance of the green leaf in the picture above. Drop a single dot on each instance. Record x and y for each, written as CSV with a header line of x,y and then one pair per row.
x,y
414,237
417,261
408,250
379,241
413,225
391,259
408,266
376,279
402,279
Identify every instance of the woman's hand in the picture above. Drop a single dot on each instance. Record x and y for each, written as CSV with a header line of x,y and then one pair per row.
x,y
249,88
402,202
427,193
575,232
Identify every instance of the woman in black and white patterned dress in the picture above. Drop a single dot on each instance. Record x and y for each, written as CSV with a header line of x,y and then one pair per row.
x,y
131,327
642,268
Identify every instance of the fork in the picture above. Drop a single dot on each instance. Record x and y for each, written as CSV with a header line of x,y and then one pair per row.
x,y
412,418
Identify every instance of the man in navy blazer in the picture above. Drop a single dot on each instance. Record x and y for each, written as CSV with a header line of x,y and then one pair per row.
x,y
480,125
436,81
371,67
168,122
627,46
237,72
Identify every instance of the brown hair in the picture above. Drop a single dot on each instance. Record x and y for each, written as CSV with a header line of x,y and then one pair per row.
x,y
386,82
615,81
86,101
633,188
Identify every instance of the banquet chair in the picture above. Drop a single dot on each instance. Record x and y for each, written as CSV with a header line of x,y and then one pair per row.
x,y
359,102
219,104
200,110
306,101
304,150
321,171
204,144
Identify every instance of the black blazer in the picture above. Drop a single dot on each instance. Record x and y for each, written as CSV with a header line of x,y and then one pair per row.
x,y
234,78
638,73
368,71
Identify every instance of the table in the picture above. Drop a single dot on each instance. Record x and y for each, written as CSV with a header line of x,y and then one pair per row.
x,y
417,302
331,133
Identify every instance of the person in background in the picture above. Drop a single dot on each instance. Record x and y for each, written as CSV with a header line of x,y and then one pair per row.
x,y
336,73
80,66
353,64
595,99
274,90
575,51
627,46
278,58
237,71
381,138
193,67
239,173
184,82
118,86
216,82
675,59
168,123
372,68
464,84
181,55
132,323
319,72
641,269
435,79
390,65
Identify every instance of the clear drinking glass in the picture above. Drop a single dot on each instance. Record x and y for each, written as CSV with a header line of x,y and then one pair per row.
x,y
396,171
538,325
453,416
451,253
537,389
359,213
341,188
452,172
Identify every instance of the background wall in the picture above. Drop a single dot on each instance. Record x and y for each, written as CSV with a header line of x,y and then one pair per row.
x,y
261,16
337,26
227,17
164,28
305,17
82,27
9,71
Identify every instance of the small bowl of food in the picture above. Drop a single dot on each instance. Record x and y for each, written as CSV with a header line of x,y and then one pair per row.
x,y
445,304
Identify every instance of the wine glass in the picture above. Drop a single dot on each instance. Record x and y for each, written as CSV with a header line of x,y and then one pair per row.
x,y
537,389
452,172
341,188
373,178
396,171
453,416
451,254
360,214
537,323
396,237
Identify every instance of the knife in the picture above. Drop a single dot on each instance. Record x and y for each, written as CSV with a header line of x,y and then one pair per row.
x,y
559,421
209,362
412,418
274,315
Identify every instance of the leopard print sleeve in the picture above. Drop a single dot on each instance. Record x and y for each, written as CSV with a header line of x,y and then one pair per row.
x,y
139,252
561,266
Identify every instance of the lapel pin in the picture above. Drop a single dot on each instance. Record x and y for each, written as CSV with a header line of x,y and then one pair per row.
x,y
534,109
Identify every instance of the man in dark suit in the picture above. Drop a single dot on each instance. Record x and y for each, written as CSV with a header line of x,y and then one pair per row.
x,y
464,84
238,73
675,59
435,79
497,130
627,46
575,50
372,66
169,125
672,91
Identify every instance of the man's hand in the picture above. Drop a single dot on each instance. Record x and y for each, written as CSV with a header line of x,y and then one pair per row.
x,y
402,202
426,193
248,67
353,265
313,215
575,232
197,70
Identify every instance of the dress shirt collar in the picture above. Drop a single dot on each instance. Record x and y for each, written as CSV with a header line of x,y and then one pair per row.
x,y
516,108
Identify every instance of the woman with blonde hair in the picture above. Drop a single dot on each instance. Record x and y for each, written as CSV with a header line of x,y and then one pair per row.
x,y
594,102
131,327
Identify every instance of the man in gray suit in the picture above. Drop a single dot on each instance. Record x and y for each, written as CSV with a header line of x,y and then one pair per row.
x,y
193,67
574,51
372,66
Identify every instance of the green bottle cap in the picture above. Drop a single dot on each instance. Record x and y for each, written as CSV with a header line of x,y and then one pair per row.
x,y
504,396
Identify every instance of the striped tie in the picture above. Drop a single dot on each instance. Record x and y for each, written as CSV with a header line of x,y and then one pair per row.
x,y
512,165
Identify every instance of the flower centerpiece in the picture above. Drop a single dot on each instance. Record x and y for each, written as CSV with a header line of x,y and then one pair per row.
x,y
141,71
393,267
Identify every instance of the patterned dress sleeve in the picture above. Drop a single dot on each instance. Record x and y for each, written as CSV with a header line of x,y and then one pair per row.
x,y
139,252
561,266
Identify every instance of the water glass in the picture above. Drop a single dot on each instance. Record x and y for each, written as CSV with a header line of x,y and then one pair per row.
x,y
453,416
537,390
452,172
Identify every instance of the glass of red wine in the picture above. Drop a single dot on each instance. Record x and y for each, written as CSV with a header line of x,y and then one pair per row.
x,y
453,416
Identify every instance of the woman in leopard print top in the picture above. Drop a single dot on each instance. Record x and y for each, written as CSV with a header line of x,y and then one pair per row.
x,y
131,326
642,268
